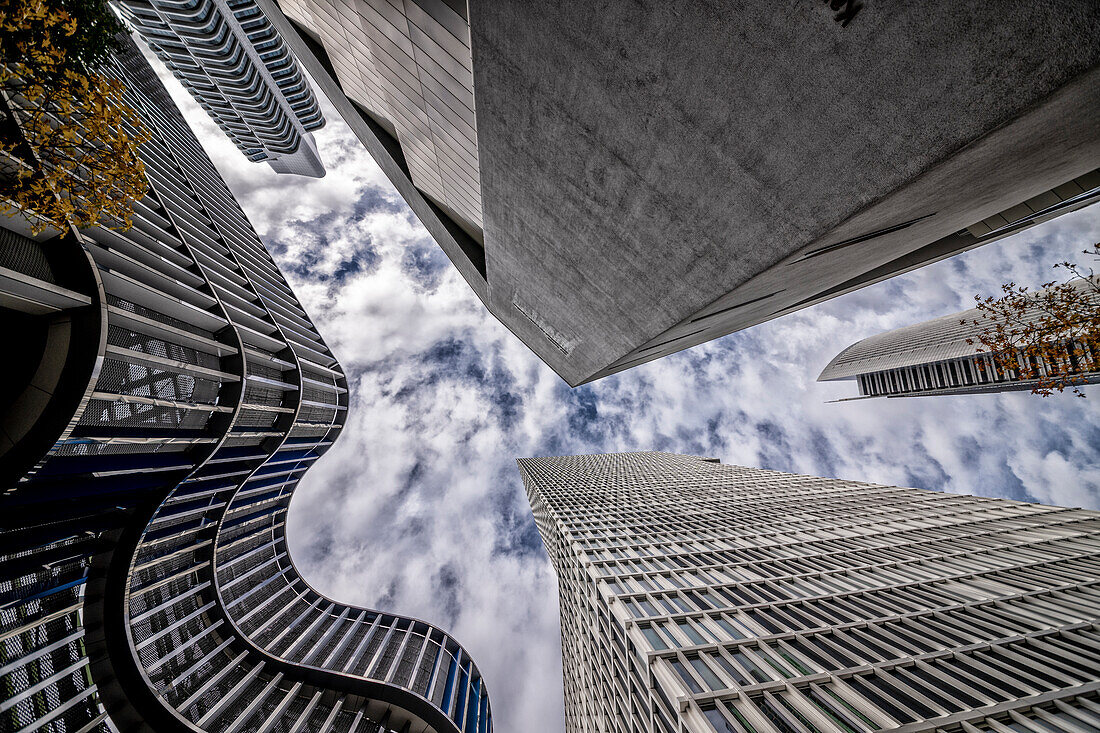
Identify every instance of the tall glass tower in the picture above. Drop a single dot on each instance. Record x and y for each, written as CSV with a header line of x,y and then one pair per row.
x,y
702,597
166,392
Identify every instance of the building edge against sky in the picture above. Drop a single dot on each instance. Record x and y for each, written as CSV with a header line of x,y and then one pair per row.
x,y
653,191
166,393
934,358
699,597
229,57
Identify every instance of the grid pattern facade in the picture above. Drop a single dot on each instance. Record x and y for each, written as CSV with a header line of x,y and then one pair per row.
x,y
409,65
702,597
934,357
166,496
236,66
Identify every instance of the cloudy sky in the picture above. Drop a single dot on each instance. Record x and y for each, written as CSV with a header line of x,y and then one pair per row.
x,y
419,509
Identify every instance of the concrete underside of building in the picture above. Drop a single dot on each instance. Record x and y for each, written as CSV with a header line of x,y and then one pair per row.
x,y
656,175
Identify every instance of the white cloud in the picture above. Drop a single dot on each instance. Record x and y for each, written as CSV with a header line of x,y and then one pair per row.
x,y
418,507
422,483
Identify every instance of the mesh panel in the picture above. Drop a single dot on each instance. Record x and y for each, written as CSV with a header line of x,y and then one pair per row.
x,y
309,431
277,592
316,414
404,670
143,381
24,255
157,316
164,618
318,395
229,716
261,370
254,395
62,563
242,568
240,442
351,645
267,707
128,339
424,671
184,653
312,373
256,419
290,717
196,710
321,653
385,662
133,414
360,667
169,566
105,449
280,622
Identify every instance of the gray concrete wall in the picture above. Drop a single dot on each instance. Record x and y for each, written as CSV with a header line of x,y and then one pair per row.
x,y
645,164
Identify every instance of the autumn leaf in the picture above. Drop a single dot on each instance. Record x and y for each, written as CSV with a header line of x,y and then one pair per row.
x,y
66,129
1050,336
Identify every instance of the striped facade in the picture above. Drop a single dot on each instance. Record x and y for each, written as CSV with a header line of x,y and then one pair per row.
x,y
409,64
934,358
179,392
698,597
229,57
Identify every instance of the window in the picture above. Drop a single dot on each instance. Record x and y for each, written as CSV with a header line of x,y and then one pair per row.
x,y
653,638
686,676
706,673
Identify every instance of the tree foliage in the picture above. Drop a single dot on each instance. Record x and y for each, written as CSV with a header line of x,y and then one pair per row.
x,y
1051,336
68,142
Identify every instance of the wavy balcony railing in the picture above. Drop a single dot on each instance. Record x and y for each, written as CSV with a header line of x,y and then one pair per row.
x,y
146,578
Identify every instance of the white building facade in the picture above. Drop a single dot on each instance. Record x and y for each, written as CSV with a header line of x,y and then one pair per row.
x,y
944,356
702,597
230,58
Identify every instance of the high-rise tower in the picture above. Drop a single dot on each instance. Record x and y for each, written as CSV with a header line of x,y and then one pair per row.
x,y
934,358
620,184
233,62
165,393
701,597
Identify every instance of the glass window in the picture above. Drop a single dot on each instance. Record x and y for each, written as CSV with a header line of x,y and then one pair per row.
x,y
732,671
686,676
706,673
749,666
690,632
653,638
729,628
718,721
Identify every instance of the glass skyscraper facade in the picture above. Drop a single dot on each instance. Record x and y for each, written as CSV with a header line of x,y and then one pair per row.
x,y
167,392
702,597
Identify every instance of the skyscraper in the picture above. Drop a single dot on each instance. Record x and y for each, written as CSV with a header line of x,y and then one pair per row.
x,y
165,394
236,66
702,597
621,184
934,358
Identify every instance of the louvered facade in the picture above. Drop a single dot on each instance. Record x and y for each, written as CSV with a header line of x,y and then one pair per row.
x,y
236,66
167,393
697,597
934,358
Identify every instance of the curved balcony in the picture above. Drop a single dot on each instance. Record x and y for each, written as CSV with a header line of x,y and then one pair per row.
x,y
148,583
